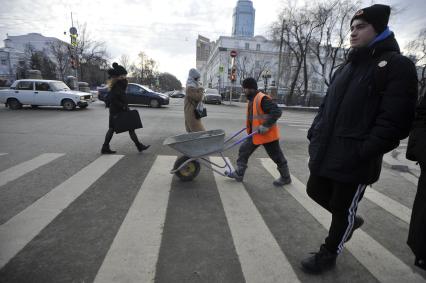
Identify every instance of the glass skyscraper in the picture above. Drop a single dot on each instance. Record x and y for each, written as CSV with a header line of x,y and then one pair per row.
x,y
243,19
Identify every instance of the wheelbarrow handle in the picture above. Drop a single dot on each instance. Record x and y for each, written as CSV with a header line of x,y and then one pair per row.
x,y
240,140
236,134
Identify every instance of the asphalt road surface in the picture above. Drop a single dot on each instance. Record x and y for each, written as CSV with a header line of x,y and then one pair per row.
x,y
69,214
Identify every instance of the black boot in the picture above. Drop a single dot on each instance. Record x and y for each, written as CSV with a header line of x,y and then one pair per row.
x,y
284,179
236,174
106,150
319,262
357,223
141,147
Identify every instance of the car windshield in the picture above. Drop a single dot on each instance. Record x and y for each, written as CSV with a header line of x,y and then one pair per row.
x,y
56,86
212,91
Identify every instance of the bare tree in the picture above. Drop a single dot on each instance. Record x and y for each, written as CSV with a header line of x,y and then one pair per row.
x,y
125,61
144,70
91,54
61,53
417,52
329,43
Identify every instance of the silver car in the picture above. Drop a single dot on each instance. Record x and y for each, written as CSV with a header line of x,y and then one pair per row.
x,y
212,95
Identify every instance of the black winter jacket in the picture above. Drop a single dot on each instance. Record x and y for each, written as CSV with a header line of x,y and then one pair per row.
x,y
416,149
118,99
356,124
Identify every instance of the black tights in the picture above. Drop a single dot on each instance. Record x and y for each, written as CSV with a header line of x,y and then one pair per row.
x,y
110,133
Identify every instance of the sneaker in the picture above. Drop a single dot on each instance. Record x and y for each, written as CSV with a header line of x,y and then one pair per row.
x,y
282,181
319,262
357,223
236,176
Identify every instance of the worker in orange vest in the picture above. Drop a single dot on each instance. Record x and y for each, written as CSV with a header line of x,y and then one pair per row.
x,y
262,116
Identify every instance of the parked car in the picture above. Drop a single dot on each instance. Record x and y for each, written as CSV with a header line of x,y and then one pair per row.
x,y
212,95
177,94
139,95
43,93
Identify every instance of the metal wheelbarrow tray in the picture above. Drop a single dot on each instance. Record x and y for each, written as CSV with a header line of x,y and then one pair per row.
x,y
196,147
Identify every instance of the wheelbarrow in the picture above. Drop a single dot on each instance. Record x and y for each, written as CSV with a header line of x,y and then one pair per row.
x,y
197,146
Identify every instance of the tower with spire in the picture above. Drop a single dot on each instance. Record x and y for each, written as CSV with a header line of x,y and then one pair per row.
x,y
243,19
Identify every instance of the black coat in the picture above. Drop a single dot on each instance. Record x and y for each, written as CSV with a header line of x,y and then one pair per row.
x,y
416,150
356,124
118,99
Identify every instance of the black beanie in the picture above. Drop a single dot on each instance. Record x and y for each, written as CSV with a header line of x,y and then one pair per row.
x,y
250,83
116,70
376,15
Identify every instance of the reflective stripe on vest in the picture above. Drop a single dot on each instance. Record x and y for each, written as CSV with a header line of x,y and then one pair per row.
x,y
258,119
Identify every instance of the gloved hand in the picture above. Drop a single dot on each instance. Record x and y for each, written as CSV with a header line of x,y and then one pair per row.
x,y
262,129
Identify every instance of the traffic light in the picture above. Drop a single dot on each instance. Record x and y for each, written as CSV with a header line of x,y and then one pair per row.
x,y
233,76
73,62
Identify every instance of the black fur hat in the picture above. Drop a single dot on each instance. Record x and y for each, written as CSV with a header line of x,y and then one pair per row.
x,y
376,15
117,70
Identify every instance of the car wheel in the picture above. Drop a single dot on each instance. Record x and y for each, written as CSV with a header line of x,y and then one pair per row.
x,y
14,104
68,104
154,103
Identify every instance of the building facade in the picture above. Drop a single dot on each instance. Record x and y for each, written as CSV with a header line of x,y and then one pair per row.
x,y
13,54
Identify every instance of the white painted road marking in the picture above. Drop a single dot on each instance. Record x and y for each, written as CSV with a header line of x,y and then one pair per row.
x,y
133,254
388,204
260,255
21,169
22,228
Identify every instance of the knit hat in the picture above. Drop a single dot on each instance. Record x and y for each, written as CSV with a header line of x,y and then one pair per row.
x,y
116,70
376,15
250,83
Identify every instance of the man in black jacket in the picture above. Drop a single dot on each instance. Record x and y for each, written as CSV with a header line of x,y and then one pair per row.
x,y
262,116
416,151
368,109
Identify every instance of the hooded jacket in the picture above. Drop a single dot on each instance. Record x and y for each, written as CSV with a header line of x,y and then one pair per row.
x,y
194,95
356,124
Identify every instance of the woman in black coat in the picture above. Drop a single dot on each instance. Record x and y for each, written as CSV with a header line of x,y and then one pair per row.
x,y
416,151
118,103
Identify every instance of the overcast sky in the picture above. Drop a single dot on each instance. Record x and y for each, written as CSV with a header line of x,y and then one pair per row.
x,y
164,29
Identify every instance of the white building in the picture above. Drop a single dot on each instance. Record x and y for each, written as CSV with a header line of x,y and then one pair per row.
x,y
12,55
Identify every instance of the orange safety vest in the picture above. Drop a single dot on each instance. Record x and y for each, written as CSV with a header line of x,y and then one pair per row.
x,y
258,119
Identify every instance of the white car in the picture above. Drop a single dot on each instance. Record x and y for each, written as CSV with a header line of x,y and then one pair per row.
x,y
43,93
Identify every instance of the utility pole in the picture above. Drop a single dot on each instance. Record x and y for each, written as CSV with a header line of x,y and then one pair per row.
x,y
280,55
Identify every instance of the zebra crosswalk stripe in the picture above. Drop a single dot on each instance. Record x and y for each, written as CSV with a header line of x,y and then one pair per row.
x,y
21,169
260,255
388,204
134,252
381,263
22,228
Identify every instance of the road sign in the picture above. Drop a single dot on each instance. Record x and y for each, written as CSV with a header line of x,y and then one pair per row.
x,y
73,30
233,53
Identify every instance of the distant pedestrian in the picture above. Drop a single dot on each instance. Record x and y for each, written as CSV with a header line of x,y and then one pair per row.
x,y
368,109
262,116
416,151
194,95
117,86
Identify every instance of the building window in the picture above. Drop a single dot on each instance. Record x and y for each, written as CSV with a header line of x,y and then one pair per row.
x,y
3,61
247,46
258,47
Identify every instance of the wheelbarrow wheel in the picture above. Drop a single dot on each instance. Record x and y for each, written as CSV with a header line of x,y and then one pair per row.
x,y
189,171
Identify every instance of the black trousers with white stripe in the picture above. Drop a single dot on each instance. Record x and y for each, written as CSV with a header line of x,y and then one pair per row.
x,y
341,200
